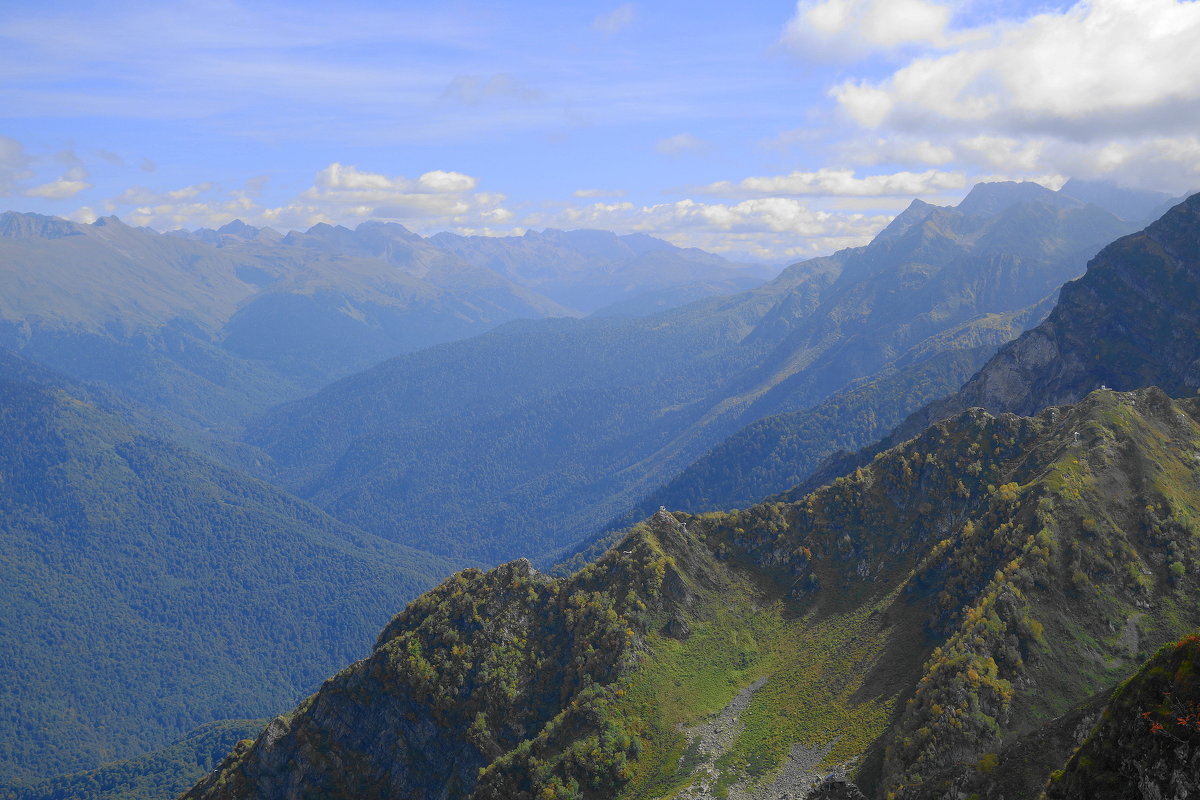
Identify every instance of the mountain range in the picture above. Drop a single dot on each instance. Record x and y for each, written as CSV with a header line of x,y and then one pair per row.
x,y
544,427
210,327
949,619
181,590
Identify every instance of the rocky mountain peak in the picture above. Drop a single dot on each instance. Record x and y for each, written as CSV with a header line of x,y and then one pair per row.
x,y
17,225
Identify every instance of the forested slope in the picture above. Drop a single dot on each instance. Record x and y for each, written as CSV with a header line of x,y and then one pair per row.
x,y
148,590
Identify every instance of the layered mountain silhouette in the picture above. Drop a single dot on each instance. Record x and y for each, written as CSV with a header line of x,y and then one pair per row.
x,y
542,428
951,617
601,272
209,327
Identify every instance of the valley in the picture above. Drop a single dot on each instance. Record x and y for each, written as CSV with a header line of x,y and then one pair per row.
x,y
893,625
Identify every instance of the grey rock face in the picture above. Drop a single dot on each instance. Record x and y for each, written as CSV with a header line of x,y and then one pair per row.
x,y
1132,320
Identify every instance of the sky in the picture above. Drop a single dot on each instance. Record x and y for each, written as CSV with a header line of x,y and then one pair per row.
x,y
767,131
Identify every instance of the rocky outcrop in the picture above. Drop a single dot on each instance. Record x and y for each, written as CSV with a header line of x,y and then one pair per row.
x,y
480,688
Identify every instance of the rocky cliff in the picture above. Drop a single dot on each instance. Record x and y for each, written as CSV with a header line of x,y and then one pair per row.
x,y
1132,320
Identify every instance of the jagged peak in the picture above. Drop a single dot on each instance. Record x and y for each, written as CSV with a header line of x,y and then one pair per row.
x,y
916,213
27,225
238,228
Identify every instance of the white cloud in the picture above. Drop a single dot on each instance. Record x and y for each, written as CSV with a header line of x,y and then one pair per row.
x,y
589,193
351,181
842,29
58,189
85,214
773,228
828,182
681,144
1100,68
441,181
340,194
144,196
1004,152
616,20
435,200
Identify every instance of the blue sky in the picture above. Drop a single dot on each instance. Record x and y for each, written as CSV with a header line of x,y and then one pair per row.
x,y
767,130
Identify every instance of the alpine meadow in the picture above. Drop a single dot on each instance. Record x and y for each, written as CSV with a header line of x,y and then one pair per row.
x,y
600,401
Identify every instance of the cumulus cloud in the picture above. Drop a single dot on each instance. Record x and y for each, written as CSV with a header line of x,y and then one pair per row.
x,y
616,20
438,198
767,227
58,189
773,228
681,144
828,182
1098,69
841,29
198,205
1161,163
350,181
340,194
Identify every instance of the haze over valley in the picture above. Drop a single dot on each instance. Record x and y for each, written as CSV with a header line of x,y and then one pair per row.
x,y
600,402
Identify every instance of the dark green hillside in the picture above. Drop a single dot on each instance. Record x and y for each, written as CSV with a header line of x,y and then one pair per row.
x,y
1148,741
148,590
160,775
904,624
542,428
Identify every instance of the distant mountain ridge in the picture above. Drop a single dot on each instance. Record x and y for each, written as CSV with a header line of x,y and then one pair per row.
x,y
774,454
593,270
1130,321
210,327
542,427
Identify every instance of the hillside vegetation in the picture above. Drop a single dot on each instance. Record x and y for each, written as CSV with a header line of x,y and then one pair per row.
x,y
158,775
904,623
149,590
